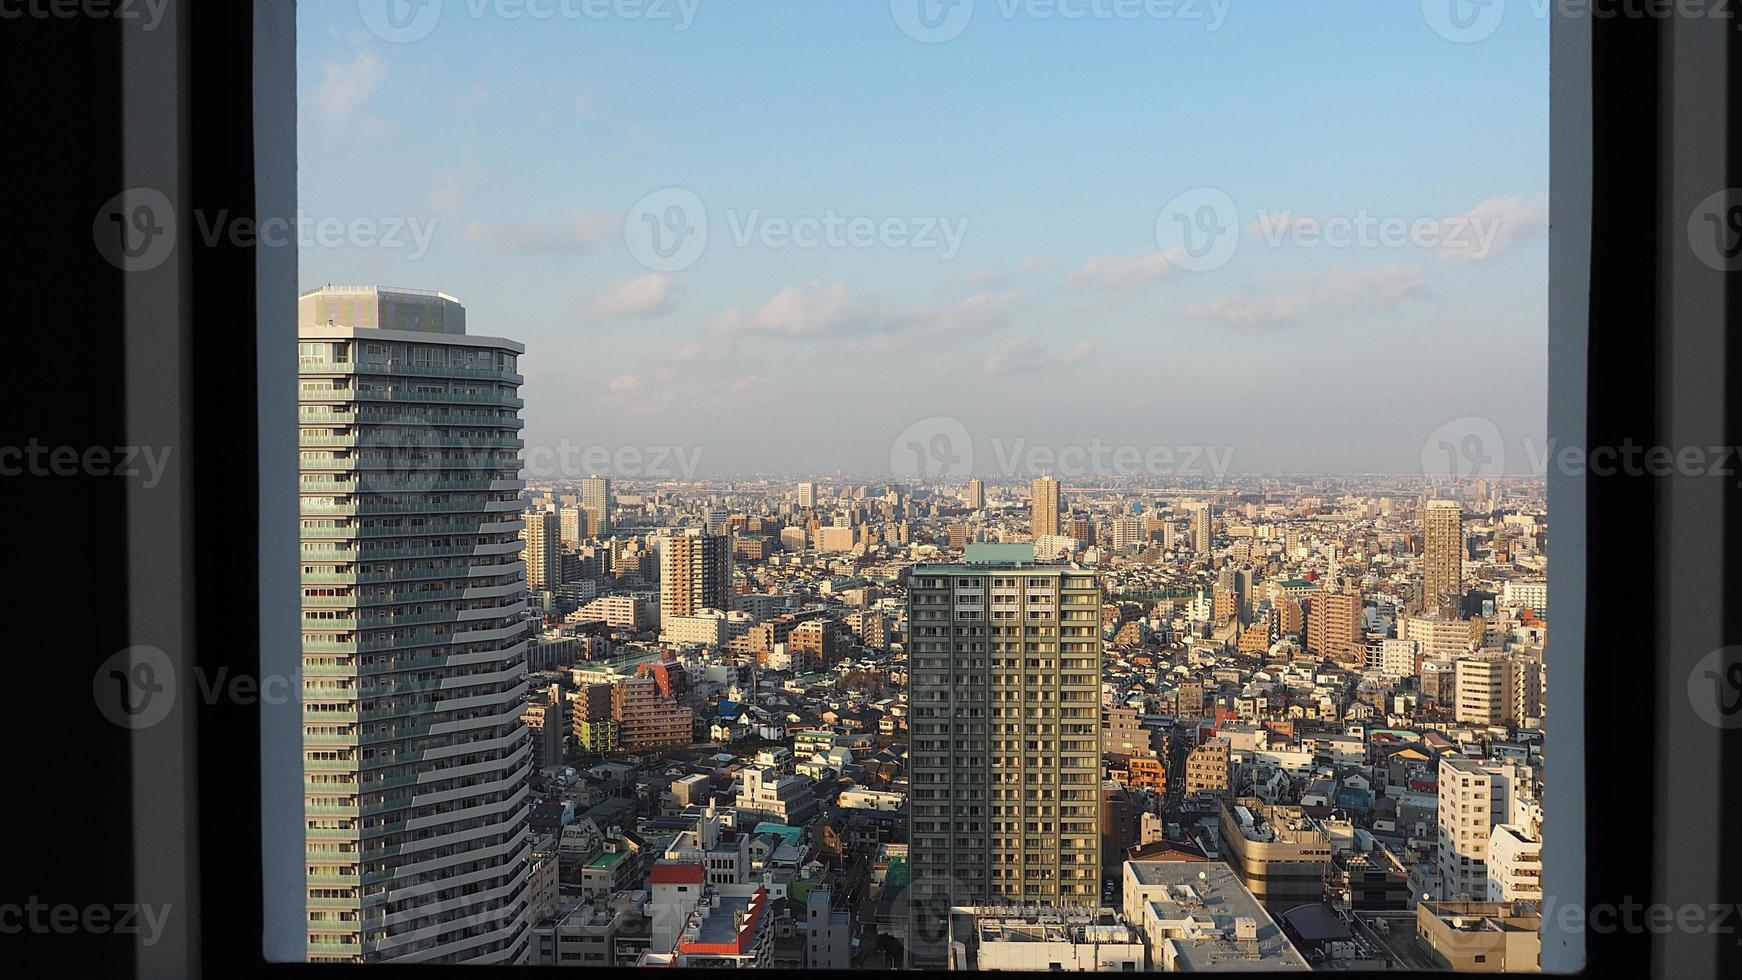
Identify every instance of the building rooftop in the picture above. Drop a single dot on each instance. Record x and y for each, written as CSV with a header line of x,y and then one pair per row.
x,y
1048,924
607,859
724,924
1210,921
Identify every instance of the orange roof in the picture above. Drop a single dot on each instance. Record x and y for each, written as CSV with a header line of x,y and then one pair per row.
x,y
671,873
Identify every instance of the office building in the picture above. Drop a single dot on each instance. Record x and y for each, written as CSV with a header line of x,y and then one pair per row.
x,y
975,498
418,845
1277,851
1005,680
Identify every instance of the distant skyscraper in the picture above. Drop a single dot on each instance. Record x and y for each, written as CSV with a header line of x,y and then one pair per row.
x,y
1045,506
807,495
596,501
1442,562
1006,772
975,498
572,526
415,801
1203,523
695,573
541,530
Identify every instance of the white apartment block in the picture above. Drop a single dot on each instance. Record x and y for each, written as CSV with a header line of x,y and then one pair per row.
x,y
1473,798
415,755
1398,658
1529,593
711,627
1514,865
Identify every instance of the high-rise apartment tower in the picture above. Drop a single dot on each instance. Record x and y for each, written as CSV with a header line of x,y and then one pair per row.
x,y
415,756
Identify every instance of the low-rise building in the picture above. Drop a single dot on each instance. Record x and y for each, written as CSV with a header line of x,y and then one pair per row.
x,y
1199,916
1481,937
1043,938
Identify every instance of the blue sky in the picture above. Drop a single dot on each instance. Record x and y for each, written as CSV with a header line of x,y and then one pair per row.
x,y
1055,148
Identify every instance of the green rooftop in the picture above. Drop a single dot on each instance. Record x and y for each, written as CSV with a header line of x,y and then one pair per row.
x,y
792,835
607,859
999,554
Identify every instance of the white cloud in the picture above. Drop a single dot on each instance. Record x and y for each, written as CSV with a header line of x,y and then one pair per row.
x,y
986,277
572,232
869,324
1020,356
648,295
346,86
1368,290
1082,349
800,312
1496,225
471,100
1117,272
